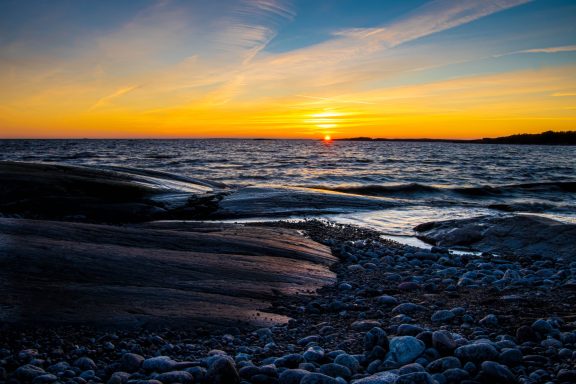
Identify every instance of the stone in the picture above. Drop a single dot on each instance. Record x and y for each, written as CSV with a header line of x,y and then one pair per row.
x,y
159,364
376,337
378,378
442,316
318,378
173,377
335,370
415,378
443,364
28,372
496,373
85,364
408,308
365,325
222,371
542,327
455,375
510,357
119,378
405,349
526,333
131,362
45,379
476,352
348,361
292,376
443,342
314,354
489,321
387,301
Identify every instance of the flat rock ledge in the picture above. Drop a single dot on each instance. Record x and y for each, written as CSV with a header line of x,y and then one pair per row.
x,y
521,234
163,273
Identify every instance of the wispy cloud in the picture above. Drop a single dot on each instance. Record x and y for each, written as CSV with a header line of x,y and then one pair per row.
x,y
107,100
563,94
565,48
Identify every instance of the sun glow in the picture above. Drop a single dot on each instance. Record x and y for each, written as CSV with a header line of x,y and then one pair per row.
x,y
327,138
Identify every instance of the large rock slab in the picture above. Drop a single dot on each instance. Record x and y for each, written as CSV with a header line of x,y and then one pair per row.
x,y
522,234
102,194
154,274
280,201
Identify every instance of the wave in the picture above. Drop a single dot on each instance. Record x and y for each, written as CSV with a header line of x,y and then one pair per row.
x,y
472,192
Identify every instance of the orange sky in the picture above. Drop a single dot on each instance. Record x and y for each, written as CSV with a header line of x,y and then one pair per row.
x,y
159,73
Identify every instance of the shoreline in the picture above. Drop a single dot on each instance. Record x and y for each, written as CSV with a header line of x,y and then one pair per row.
x,y
334,333
275,302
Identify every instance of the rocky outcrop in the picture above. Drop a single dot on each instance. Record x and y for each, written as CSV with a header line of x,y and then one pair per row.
x,y
102,194
159,273
280,201
522,234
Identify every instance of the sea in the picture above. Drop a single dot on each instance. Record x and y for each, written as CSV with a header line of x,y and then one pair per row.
x,y
428,180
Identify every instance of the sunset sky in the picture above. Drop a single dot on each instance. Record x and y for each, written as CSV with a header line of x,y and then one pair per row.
x,y
281,68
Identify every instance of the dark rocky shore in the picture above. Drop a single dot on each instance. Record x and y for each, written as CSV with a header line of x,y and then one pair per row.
x,y
393,314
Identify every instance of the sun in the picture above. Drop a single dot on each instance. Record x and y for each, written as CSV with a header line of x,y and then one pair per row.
x,y
327,138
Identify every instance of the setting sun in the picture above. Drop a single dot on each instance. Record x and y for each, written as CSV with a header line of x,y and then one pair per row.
x,y
327,138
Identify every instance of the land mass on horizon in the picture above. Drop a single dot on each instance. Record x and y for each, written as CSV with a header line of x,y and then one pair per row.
x,y
544,138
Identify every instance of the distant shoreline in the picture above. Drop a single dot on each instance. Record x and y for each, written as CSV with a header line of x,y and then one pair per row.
x,y
544,138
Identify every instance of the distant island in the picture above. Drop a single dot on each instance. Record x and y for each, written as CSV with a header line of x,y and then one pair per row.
x,y
544,138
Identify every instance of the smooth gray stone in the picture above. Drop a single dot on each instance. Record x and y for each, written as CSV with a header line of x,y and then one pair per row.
x,y
518,235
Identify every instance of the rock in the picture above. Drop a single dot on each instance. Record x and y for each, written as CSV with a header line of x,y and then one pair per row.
x,y
542,327
387,301
489,321
455,375
476,352
119,378
415,378
496,373
442,316
290,361
182,377
348,361
335,370
405,349
318,378
314,354
510,357
45,379
131,362
222,371
375,337
28,372
526,333
443,342
364,325
378,378
159,364
520,235
292,376
443,364
408,308
85,364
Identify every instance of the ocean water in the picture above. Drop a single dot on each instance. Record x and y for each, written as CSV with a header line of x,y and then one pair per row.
x,y
430,181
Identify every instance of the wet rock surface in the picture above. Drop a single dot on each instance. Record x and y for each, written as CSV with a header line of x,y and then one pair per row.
x,y
522,235
160,273
510,322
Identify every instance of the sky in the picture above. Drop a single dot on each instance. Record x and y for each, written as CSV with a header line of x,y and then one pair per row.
x,y
286,68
